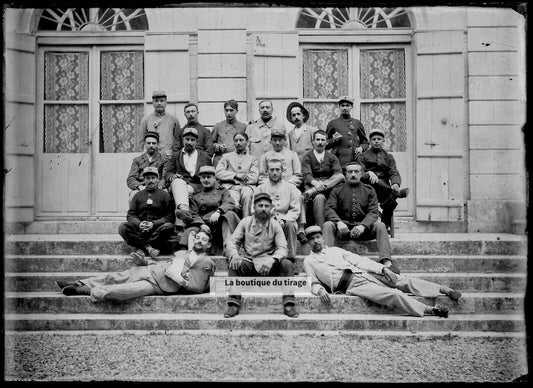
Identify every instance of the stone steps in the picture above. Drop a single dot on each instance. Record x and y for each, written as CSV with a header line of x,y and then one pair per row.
x,y
55,302
489,269
403,244
484,324
465,282
407,263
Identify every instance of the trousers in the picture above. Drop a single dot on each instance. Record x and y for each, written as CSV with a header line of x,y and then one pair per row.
x,y
119,286
158,237
386,293
378,231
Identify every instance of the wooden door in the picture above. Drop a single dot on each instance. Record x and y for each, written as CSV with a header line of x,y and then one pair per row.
x,y
64,130
440,126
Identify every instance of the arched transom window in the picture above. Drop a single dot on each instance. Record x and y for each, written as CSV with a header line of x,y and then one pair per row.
x,y
353,18
93,19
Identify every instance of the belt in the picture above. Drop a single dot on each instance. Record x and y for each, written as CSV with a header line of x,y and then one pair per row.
x,y
344,282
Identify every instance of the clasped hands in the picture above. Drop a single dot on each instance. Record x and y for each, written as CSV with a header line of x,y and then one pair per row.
x,y
146,226
343,230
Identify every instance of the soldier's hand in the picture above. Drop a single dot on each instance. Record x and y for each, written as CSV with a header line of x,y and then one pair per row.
x,y
358,150
342,229
235,262
395,187
373,177
321,187
391,276
214,218
324,296
357,231
265,268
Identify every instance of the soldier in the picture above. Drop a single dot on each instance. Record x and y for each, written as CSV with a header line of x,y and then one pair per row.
x,y
223,132
259,248
238,172
150,158
301,137
181,172
352,213
348,273
166,125
212,209
346,135
286,203
150,217
187,272
204,141
259,130
382,174
321,173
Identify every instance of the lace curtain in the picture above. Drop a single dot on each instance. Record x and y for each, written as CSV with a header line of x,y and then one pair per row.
x,y
383,77
66,79
121,76
325,76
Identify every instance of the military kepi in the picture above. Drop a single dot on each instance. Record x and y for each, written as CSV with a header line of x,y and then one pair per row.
x,y
159,93
206,170
190,131
151,170
347,99
376,132
261,196
152,134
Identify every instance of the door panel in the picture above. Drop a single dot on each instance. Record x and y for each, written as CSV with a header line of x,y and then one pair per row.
x,y
111,194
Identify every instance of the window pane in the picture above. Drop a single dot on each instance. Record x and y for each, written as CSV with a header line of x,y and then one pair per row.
x,y
122,76
325,73
119,124
66,128
320,113
66,76
382,74
390,118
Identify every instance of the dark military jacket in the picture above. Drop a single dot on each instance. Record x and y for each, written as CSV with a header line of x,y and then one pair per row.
x,y
353,136
203,204
353,205
382,164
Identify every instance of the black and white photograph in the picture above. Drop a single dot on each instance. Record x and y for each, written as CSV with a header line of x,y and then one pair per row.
x,y
237,192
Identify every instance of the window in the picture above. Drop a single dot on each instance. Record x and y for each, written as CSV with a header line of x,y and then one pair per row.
x,y
71,110
92,19
375,77
353,18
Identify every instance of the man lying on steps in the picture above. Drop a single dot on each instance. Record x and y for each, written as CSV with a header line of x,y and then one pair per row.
x,y
348,273
188,272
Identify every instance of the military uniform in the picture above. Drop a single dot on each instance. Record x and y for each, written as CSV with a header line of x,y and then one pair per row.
x,y
138,164
204,142
383,165
223,133
292,167
358,205
168,128
353,136
202,206
157,207
259,135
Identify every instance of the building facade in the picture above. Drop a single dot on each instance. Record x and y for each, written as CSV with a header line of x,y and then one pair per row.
x,y
446,84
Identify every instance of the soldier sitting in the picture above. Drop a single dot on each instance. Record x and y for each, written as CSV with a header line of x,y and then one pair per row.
x,y
212,210
237,172
382,174
151,158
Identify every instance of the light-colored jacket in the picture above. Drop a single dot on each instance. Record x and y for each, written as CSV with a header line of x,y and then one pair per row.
x,y
285,199
325,267
292,167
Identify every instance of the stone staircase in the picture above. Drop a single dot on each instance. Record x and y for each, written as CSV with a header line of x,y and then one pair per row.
x,y
489,269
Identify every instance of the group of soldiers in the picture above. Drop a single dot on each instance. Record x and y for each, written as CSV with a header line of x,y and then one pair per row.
x,y
254,191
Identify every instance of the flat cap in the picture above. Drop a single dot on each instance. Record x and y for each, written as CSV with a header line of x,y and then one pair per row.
x,y
190,131
310,230
151,134
260,196
376,132
159,93
281,132
206,170
345,99
151,170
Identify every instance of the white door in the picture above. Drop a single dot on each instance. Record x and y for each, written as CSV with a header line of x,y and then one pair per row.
x,y
378,77
91,102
